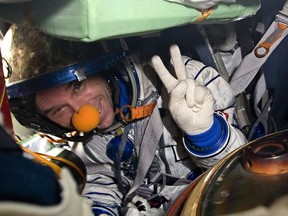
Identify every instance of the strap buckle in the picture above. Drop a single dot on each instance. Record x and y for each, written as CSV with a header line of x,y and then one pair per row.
x,y
281,22
135,113
283,14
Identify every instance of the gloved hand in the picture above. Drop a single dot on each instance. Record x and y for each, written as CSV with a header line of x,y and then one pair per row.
x,y
140,207
190,104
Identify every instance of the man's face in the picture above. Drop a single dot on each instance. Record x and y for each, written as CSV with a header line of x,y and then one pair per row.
x,y
61,102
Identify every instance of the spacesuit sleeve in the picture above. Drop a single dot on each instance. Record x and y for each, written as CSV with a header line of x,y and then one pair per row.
x,y
211,146
102,191
221,138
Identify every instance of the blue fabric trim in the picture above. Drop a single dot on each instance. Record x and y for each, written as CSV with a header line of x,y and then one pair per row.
x,y
100,183
187,61
98,193
65,75
209,142
124,99
211,80
112,149
102,211
93,180
200,71
99,208
105,205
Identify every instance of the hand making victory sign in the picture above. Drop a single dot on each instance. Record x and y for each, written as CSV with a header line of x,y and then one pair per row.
x,y
191,105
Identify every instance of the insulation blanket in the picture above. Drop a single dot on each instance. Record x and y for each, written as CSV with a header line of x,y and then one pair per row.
x,y
90,20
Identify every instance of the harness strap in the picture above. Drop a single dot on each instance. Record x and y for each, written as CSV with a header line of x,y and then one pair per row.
x,y
204,15
137,112
263,49
147,137
44,159
140,112
259,92
253,61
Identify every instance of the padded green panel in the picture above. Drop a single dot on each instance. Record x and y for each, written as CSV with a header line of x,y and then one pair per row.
x,y
90,20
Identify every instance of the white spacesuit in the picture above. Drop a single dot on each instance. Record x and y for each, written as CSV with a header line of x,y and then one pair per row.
x,y
138,167
165,161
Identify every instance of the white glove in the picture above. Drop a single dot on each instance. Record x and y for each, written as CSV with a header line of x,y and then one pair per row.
x,y
221,90
191,105
140,207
